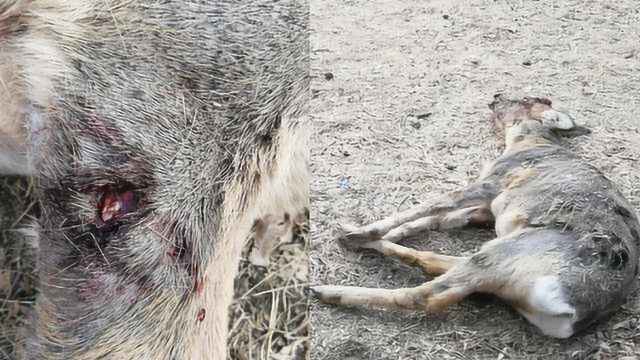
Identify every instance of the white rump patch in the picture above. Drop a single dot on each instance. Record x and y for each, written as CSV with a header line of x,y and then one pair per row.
x,y
547,295
551,312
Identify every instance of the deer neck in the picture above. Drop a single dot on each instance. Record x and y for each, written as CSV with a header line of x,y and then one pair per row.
x,y
525,135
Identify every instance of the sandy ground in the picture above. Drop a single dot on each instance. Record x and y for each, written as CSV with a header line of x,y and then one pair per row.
x,y
400,111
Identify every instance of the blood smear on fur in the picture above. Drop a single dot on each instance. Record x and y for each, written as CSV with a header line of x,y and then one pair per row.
x,y
201,314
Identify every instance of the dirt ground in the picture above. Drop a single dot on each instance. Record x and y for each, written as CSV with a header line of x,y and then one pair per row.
x,y
400,111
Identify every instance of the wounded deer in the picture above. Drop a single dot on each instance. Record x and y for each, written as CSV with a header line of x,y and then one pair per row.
x,y
158,133
566,251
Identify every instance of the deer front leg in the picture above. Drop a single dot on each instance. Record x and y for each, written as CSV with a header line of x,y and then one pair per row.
x,y
430,262
424,216
475,215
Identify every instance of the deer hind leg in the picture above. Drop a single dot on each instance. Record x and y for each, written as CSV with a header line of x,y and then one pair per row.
x,y
539,299
431,215
523,270
432,296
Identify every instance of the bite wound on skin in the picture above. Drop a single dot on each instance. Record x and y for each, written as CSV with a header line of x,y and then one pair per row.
x,y
114,204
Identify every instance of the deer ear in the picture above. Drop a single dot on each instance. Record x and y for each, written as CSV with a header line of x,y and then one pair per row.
x,y
497,98
557,120
544,101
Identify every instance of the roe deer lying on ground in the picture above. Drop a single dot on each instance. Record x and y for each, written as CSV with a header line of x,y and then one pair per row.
x,y
158,131
566,252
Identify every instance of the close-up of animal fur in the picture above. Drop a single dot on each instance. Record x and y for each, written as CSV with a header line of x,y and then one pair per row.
x,y
157,135
566,251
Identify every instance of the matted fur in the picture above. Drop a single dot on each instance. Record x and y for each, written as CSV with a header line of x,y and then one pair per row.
x,y
195,108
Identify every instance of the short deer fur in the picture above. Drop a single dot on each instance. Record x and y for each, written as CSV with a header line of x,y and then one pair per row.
x,y
566,251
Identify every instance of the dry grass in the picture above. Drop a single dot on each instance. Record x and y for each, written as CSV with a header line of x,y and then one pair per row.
x,y
269,315
400,112
17,282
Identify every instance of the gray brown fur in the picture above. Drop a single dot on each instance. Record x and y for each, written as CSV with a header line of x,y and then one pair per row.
x,y
188,106
577,213
556,217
